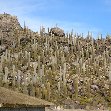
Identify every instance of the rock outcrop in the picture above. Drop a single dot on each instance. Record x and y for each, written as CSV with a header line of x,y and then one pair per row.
x,y
57,31
8,25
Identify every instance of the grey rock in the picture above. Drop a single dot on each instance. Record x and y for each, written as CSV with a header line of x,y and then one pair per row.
x,y
57,31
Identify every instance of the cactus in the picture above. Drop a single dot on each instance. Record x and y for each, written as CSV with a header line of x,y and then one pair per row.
x,y
38,64
1,78
5,81
65,88
37,91
48,87
25,91
29,59
44,93
64,74
35,66
88,88
6,74
18,79
13,74
59,87
75,81
55,62
110,79
32,89
2,61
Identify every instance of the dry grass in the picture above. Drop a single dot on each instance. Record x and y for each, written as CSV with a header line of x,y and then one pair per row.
x,y
11,97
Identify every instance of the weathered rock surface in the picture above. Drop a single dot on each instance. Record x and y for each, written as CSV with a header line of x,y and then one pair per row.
x,y
57,31
8,25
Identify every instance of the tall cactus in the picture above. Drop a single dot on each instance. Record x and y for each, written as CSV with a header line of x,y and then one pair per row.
x,y
75,81
44,92
32,89
37,91
38,64
19,79
48,86
1,78
2,61
110,79
13,74
88,88
5,78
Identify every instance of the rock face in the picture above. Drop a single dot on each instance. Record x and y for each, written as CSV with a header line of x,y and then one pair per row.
x,y
8,24
57,31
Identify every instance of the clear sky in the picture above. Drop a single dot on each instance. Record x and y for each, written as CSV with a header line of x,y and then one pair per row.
x,y
80,15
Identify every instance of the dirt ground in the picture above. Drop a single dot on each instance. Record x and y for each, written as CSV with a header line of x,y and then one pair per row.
x,y
48,109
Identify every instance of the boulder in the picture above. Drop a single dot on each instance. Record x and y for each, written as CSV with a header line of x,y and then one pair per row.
x,y
24,40
57,31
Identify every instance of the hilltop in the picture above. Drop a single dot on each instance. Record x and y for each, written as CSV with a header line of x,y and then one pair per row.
x,y
66,69
8,24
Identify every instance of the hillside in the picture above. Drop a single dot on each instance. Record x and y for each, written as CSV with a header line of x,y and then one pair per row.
x,y
68,70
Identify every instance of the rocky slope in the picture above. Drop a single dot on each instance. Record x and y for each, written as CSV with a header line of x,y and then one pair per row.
x,y
8,24
69,70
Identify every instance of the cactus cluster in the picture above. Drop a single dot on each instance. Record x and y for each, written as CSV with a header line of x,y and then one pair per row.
x,y
58,68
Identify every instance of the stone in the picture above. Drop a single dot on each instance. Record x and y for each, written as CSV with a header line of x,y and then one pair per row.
x,y
24,40
57,31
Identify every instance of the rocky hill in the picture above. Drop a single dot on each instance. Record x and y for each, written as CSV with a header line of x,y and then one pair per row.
x,y
8,24
69,70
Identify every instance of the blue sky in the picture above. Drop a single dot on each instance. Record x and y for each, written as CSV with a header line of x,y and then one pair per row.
x,y
80,15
